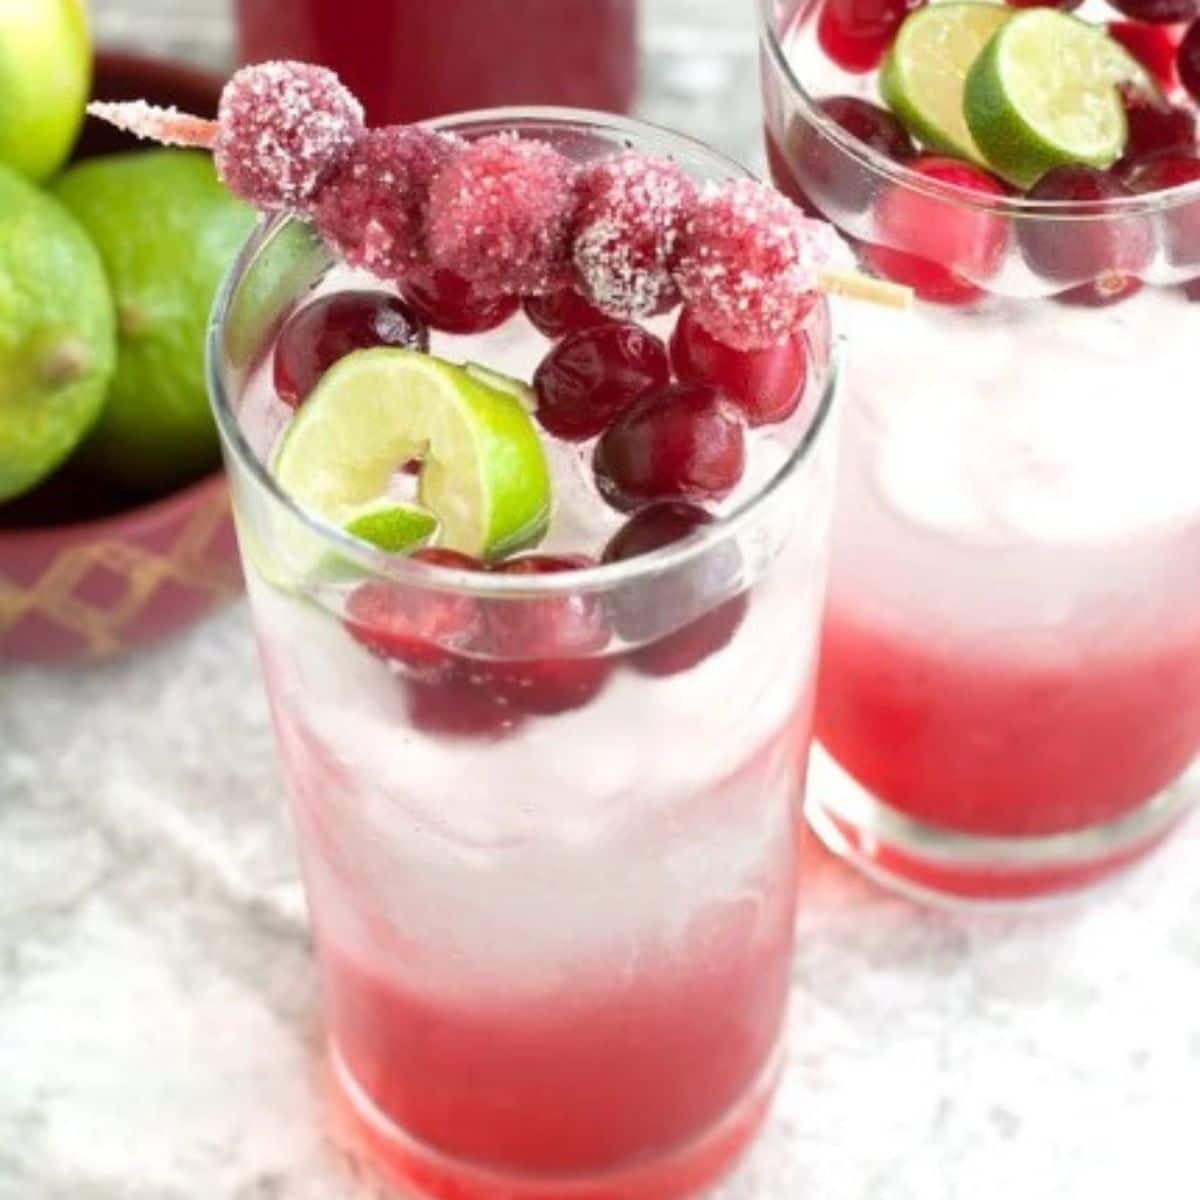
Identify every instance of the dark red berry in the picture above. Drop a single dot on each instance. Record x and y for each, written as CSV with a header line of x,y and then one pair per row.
x,y
643,608
320,333
1100,256
448,302
1159,12
686,441
590,376
941,247
1154,46
1180,222
766,385
559,313
459,706
545,654
1156,128
1191,290
1188,61
856,34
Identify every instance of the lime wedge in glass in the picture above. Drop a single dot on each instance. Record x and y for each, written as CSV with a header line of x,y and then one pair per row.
x,y
393,527
484,476
1044,93
516,388
923,76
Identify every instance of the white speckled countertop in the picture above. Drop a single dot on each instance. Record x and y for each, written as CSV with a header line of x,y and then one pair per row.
x,y
158,1035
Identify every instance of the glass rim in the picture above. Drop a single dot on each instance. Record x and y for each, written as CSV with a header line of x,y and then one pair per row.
x,y
1021,207
403,569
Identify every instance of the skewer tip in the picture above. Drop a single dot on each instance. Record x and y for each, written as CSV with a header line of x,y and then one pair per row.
x,y
168,126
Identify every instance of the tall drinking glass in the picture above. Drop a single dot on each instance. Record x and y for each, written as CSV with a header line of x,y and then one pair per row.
x,y
555,948
1010,680
411,59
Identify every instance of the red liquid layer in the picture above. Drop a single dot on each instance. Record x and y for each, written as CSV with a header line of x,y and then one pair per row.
x,y
411,59
997,746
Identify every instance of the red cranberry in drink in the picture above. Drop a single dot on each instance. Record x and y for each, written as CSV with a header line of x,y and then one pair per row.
x,y
1159,12
856,34
1188,61
1180,222
650,529
686,441
765,384
940,247
1156,128
545,653
1101,256
448,302
459,706
320,333
1154,46
558,313
1191,290
590,376
420,628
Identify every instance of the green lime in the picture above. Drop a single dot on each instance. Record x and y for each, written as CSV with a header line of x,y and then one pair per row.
x,y
45,75
520,391
923,76
57,334
395,528
167,231
1043,94
484,474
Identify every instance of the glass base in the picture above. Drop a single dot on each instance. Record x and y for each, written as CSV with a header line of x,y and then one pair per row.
x,y
423,1171
932,864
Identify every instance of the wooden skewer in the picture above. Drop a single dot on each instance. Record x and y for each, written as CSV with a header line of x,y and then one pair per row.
x,y
856,286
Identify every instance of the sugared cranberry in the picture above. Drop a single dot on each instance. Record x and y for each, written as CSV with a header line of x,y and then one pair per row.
x,y
447,301
686,441
1159,12
1188,61
1156,128
282,126
765,384
371,208
460,706
637,610
592,375
565,311
1154,46
544,654
748,263
1180,222
320,333
857,33
421,628
1100,256
940,247
499,214
631,212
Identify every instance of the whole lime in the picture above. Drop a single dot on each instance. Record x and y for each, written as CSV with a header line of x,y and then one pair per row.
x,y
167,231
45,74
57,334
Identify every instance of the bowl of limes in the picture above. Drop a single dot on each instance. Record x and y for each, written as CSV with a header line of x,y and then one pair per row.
x,y
115,526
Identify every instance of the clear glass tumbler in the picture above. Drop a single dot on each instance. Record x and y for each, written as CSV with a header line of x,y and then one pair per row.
x,y
554,948
1010,680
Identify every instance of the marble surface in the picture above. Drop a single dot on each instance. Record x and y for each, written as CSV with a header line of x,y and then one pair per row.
x,y
158,1036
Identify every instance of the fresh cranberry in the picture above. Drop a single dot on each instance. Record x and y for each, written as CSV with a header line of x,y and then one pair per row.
x,y
1156,128
1181,223
1100,257
558,313
940,247
1191,290
421,628
329,328
686,441
459,706
1188,61
766,385
1154,46
590,376
545,653
784,166
856,34
649,529
1158,12
447,301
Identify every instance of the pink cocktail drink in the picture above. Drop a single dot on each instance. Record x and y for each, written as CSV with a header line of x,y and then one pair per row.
x,y
1010,673
546,804
412,59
